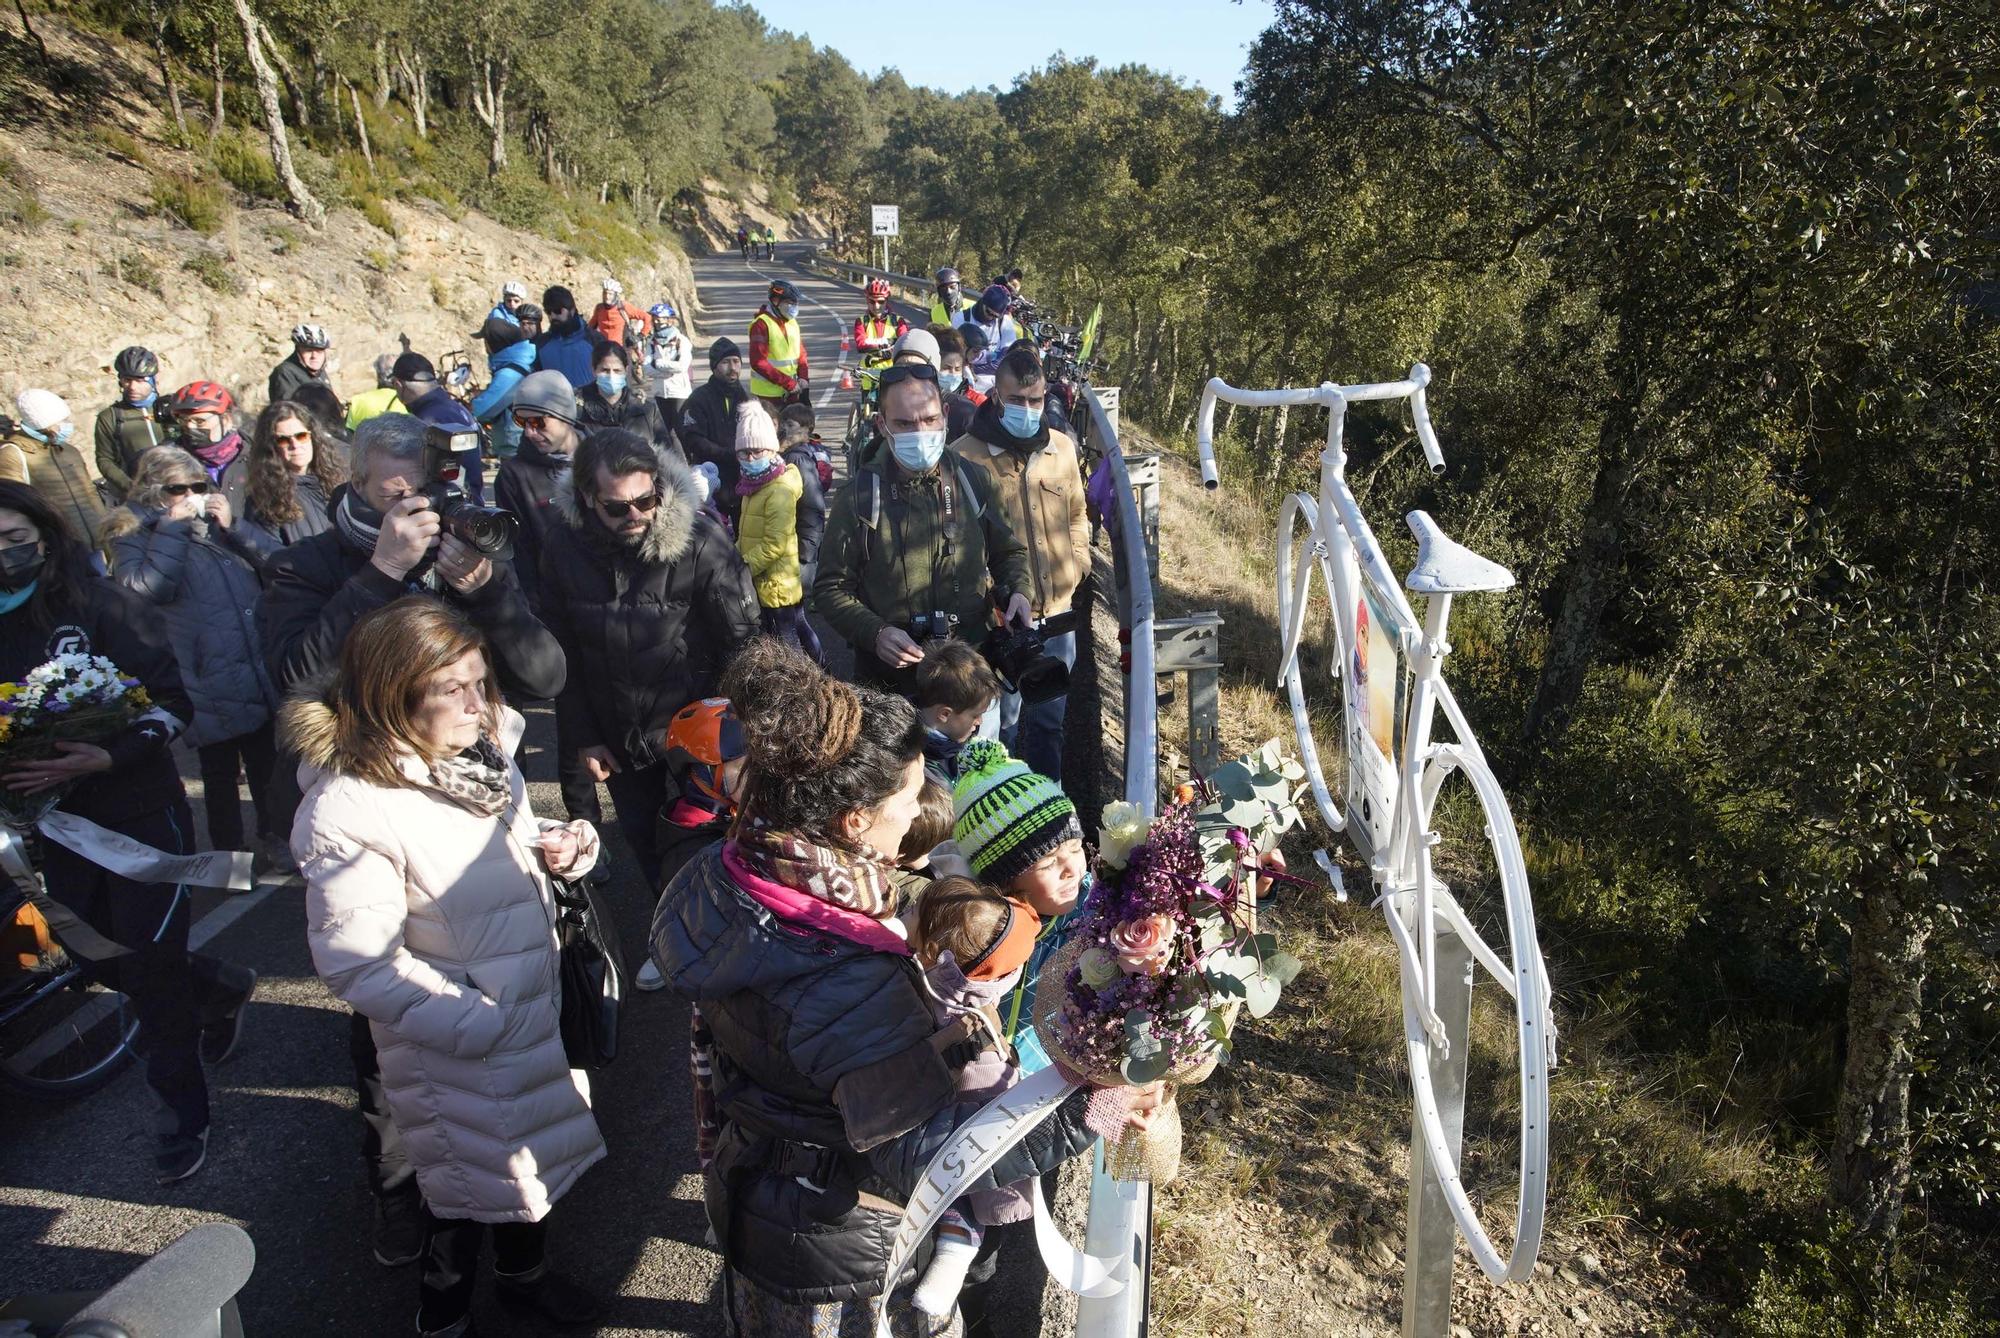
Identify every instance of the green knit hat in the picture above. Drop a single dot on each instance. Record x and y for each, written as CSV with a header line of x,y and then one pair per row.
x,y
1007,817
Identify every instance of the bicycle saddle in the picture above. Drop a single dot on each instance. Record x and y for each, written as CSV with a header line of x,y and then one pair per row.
x,y
1447,568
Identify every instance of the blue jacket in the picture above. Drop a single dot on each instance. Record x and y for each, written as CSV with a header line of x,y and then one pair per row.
x,y
1017,1015
572,354
509,366
500,310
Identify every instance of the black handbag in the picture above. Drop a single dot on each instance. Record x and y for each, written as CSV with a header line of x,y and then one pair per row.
x,y
593,974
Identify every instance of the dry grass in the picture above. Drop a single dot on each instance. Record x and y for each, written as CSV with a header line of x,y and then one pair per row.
x,y
1288,1215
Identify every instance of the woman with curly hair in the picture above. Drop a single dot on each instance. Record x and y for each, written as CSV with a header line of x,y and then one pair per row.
x,y
282,488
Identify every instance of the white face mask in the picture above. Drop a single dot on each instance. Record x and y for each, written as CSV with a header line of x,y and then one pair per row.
x,y
920,451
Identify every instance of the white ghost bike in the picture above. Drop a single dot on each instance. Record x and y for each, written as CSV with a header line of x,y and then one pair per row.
x,y
1414,807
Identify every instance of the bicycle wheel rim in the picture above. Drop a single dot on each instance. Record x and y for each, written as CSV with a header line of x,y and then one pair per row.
x,y
1531,1030
71,1044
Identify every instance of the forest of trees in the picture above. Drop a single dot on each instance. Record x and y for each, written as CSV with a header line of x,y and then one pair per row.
x,y
1710,291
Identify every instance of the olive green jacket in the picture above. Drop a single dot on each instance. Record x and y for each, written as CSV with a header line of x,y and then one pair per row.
x,y
62,475
124,433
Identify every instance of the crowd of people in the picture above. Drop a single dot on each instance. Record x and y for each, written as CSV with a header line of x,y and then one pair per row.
x,y
856,882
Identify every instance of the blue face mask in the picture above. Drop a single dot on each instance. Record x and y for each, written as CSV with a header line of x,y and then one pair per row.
x,y
756,469
611,383
789,310
1020,420
14,599
918,452
146,401
949,382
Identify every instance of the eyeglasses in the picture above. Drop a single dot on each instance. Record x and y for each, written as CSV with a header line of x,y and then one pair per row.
x,y
908,371
296,439
618,510
532,422
183,489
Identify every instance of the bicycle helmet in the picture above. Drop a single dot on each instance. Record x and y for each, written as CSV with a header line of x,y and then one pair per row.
x,y
878,290
308,336
997,299
201,397
782,291
947,277
514,288
659,311
135,363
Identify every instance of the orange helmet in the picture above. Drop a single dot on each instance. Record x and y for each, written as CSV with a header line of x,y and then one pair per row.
x,y
878,290
707,731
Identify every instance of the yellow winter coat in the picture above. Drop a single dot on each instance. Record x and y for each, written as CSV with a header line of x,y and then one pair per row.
x,y
768,536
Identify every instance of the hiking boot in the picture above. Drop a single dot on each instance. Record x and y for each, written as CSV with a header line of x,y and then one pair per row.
x,y
649,978
399,1229
220,1038
555,1298
180,1158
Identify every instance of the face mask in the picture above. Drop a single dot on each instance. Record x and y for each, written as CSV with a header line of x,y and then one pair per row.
x,y
918,452
756,469
949,382
20,565
1020,420
789,310
950,299
60,432
197,437
611,383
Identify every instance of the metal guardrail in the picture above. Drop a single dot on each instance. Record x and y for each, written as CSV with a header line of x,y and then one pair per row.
x,y
1121,1212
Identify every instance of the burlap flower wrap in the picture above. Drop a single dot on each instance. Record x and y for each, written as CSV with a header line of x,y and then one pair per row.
x,y
1150,985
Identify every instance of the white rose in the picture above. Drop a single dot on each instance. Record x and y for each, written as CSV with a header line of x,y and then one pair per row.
x,y
1124,828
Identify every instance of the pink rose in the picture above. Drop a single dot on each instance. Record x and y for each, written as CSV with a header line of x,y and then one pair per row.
x,y
1144,946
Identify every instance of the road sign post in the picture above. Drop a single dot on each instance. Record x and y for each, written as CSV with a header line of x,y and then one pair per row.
x,y
884,221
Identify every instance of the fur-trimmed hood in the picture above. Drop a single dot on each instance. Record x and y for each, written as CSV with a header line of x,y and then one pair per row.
x,y
671,532
309,725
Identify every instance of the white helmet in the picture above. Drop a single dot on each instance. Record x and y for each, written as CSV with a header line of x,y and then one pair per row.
x,y
311,336
40,409
615,288
514,288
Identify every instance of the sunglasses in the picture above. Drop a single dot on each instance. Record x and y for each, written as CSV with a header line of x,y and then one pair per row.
x,y
183,489
532,422
909,371
296,439
619,510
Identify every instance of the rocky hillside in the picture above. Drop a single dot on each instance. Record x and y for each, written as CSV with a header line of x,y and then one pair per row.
x,y
91,260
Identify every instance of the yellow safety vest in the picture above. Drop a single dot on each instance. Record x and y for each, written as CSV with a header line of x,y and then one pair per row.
x,y
783,350
939,316
878,329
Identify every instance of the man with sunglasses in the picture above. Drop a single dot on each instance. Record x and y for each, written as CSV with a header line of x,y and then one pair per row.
x,y
650,600
915,546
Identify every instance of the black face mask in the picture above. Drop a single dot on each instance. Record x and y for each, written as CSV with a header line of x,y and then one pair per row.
x,y
20,565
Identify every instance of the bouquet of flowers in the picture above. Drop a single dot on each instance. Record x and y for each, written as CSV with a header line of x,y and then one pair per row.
x,y
69,699
1168,952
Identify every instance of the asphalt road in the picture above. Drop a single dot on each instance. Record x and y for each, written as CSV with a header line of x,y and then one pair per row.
x,y
78,1206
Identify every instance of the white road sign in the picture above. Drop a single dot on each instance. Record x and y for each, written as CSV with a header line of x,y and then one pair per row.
x,y
885,220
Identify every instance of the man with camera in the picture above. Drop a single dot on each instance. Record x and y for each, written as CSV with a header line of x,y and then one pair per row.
x,y
390,538
650,600
916,545
1032,470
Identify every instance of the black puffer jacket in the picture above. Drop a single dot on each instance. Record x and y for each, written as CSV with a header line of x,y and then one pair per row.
x,y
824,1041
634,410
708,432
527,487
289,377
646,629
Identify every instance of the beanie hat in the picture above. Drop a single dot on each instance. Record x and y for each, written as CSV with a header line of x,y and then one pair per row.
x,y
920,342
558,298
548,393
40,409
708,479
1007,817
754,429
722,348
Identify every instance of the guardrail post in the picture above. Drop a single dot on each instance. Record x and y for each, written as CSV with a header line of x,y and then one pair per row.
x,y
1432,1235
1193,646
1145,474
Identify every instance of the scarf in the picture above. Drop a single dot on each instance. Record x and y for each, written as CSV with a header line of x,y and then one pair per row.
x,y
475,779
749,485
357,531
854,882
217,455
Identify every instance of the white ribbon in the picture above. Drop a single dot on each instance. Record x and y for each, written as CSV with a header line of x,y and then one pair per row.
x,y
971,1151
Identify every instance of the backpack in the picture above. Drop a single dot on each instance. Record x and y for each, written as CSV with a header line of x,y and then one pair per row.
x,y
869,512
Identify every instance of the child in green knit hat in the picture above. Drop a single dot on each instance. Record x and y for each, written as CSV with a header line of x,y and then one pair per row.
x,y
1019,832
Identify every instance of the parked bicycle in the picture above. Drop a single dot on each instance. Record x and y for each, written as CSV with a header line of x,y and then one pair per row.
x,y
61,1036
1429,817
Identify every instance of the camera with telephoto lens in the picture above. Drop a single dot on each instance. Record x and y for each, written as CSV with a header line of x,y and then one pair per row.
x,y
930,626
486,529
1020,656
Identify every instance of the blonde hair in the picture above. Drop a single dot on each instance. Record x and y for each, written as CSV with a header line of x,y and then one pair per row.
x,y
158,467
386,666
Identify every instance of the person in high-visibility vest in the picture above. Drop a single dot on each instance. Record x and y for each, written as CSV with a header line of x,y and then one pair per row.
x,y
951,304
770,242
877,329
777,349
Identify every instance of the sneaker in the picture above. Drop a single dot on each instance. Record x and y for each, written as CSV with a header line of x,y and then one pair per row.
x,y
555,1298
220,1038
463,1329
649,977
181,1159
399,1229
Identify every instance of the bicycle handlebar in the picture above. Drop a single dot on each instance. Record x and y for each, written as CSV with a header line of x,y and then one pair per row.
x,y
1334,398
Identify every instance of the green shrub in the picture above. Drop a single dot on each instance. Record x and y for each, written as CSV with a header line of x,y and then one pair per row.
x,y
119,144
213,272
440,292
380,261
247,167
517,200
196,203
137,270
377,212
20,202
284,238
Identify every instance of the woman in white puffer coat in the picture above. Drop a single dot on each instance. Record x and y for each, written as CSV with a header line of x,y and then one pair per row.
x,y
429,912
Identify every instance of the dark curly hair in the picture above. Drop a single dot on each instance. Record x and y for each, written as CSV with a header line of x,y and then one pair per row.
x,y
272,498
817,748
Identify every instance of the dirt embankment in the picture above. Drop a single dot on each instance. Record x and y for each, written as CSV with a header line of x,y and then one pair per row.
x,y
722,208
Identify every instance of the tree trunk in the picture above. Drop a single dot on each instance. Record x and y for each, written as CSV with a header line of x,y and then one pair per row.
x,y
416,87
1871,1171
301,115
303,203
1275,469
33,36
381,73
361,127
1589,579
157,23
215,65
489,104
